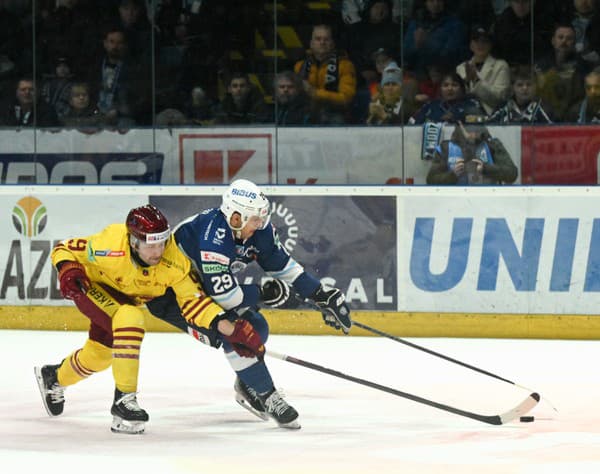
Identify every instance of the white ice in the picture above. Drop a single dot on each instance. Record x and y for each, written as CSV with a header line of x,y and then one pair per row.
x,y
196,426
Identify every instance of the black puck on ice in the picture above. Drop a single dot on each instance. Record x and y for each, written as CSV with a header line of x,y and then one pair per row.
x,y
526,419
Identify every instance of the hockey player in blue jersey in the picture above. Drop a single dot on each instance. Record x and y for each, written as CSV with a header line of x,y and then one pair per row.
x,y
222,241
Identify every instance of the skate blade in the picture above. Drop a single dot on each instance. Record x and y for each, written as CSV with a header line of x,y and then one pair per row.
x,y
119,425
242,401
40,381
292,425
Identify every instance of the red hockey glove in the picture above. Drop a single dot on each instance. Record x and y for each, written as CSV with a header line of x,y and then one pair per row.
x,y
245,340
73,280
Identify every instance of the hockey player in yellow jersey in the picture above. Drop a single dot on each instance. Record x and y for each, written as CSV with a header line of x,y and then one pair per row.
x,y
109,276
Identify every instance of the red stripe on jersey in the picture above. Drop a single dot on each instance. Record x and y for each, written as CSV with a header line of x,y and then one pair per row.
x,y
195,309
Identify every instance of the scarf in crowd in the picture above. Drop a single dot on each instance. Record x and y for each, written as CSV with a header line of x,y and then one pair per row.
x,y
513,113
331,74
582,118
23,118
482,152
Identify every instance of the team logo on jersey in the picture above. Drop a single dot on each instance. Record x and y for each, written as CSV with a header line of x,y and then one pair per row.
x,y
219,236
29,216
214,257
250,252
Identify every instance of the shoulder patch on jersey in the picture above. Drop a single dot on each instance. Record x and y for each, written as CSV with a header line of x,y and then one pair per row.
x,y
109,253
214,257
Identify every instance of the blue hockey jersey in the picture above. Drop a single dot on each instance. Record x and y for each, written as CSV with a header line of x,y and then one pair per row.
x,y
217,255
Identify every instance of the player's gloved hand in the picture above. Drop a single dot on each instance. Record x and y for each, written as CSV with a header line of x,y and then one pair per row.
x,y
209,336
333,307
245,340
275,293
73,280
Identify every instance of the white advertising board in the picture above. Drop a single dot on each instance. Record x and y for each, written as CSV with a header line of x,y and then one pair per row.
x,y
358,155
34,223
493,250
341,155
500,250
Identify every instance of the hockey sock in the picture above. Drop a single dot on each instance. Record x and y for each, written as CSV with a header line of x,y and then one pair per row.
x,y
92,357
128,333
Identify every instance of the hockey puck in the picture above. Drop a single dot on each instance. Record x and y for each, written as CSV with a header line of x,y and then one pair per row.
x,y
526,419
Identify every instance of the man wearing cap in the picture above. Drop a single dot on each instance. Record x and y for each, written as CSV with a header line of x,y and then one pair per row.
x,y
486,78
389,107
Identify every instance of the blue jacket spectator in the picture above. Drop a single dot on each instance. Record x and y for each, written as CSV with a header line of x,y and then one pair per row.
x,y
453,105
434,36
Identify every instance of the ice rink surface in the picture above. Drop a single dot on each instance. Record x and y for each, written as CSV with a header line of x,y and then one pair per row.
x,y
196,426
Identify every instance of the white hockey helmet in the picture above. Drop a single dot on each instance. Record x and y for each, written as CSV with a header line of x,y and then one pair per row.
x,y
245,198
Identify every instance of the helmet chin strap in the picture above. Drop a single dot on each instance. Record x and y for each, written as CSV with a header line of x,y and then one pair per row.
x,y
237,231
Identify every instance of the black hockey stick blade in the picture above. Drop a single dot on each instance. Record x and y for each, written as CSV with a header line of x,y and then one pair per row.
x,y
523,407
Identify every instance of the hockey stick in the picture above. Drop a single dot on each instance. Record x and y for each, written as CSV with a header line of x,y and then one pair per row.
x,y
428,351
437,354
442,356
522,408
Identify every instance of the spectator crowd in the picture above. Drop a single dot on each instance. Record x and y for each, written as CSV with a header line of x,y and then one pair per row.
x,y
124,63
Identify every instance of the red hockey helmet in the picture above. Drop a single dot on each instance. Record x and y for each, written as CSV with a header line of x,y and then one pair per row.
x,y
148,224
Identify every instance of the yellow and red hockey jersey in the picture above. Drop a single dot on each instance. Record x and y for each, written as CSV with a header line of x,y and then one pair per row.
x,y
107,259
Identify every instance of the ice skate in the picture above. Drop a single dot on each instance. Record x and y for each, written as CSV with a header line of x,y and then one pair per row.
x,y
128,417
53,395
248,398
278,409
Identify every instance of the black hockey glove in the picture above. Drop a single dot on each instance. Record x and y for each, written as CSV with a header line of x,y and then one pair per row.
x,y
275,293
333,307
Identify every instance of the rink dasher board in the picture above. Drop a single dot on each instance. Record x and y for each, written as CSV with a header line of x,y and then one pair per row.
x,y
295,322
470,262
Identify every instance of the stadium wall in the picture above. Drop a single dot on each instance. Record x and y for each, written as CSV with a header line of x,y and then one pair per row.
x,y
517,262
326,156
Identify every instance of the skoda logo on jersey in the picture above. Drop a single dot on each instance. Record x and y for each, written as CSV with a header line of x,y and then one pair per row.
x,y
243,193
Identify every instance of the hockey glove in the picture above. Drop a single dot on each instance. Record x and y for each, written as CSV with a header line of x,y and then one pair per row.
x,y
210,337
333,307
73,280
245,340
275,293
